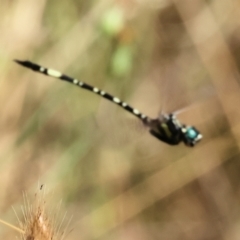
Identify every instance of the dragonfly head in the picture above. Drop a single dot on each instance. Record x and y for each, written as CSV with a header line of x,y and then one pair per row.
x,y
191,136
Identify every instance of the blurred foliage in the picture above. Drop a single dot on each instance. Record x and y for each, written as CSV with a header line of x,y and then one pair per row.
x,y
116,180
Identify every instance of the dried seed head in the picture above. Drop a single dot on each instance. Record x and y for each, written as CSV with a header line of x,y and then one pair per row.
x,y
38,226
38,223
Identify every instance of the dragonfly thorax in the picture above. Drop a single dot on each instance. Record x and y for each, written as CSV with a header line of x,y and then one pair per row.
x,y
168,128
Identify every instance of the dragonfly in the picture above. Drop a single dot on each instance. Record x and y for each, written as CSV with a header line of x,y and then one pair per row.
x,y
166,128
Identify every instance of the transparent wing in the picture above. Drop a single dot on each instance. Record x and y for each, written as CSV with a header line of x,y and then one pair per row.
x,y
179,94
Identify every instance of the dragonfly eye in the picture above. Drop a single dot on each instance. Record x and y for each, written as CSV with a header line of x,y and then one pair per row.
x,y
191,135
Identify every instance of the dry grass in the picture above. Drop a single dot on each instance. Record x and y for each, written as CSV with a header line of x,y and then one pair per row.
x,y
119,184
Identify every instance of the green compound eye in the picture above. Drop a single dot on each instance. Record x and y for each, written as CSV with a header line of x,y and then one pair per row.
x,y
191,133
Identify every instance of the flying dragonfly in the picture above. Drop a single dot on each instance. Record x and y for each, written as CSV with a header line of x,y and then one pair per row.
x,y
167,128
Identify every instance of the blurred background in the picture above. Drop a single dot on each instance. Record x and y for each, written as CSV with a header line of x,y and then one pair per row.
x,y
115,179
